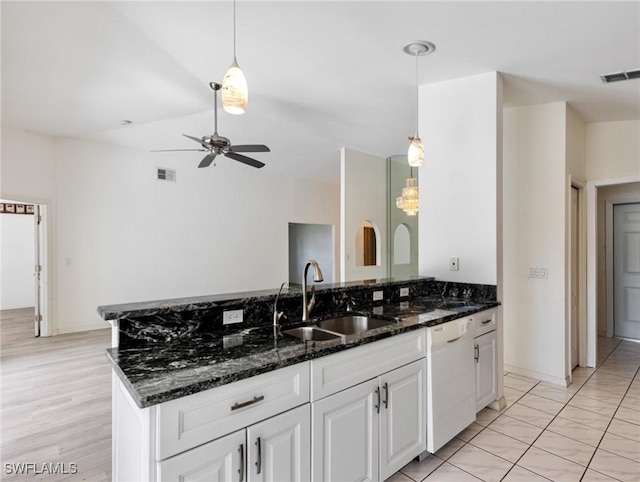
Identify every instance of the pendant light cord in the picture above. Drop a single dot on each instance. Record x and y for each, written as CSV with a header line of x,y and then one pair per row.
x,y
417,98
234,31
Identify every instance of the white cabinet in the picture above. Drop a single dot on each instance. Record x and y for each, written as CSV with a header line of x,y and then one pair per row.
x,y
486,369
279,448
274,450
403,417
370,431
345,434
219,461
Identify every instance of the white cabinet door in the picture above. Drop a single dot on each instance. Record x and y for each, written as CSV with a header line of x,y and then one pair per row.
x,y
344,444
486,370
279,449
219,461
403,414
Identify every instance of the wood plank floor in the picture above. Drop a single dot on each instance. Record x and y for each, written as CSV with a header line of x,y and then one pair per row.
x,y
55,405
16,325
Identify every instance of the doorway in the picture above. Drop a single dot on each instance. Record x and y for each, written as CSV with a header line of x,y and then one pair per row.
x,y
626,271
311,241
23,300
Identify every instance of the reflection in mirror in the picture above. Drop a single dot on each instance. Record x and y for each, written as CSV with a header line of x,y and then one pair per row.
x,y
402,245
402,249
367,249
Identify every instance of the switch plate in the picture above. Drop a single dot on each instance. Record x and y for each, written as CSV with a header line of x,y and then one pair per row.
x,y
404,292
454,264
378,295
231,316
538,272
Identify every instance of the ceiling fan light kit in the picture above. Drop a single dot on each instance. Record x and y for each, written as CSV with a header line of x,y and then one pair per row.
x,y
235,93
415,154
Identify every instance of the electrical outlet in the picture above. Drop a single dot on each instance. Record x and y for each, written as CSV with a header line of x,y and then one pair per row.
x,y
404,292
378,295
231,316
454,264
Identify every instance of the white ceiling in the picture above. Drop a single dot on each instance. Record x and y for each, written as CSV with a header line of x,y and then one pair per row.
x,y
321,74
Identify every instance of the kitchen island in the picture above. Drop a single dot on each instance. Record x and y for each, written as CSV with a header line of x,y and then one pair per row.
x,y
181,375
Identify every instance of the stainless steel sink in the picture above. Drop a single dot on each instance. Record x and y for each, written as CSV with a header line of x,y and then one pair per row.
x,y
311,333
351,324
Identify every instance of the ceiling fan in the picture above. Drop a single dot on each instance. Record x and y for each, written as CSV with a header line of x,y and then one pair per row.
x,y
217,145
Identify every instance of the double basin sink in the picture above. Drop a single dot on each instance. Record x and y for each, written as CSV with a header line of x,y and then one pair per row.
x,y
338,327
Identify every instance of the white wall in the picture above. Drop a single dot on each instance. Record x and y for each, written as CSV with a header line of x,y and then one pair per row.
x,y
122,235
534,196
612,150
460,123
311,241
17,253
362,198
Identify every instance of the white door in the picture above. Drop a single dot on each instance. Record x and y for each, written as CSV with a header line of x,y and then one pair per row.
x,y
575,273
279,448
626,270
344,444
37,271
222,460
403,417
486,370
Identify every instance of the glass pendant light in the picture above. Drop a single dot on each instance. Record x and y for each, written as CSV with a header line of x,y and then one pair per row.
x,y
235,94
410,200
415,154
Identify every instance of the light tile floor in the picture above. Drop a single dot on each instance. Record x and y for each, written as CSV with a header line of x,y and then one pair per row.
x,y
589,431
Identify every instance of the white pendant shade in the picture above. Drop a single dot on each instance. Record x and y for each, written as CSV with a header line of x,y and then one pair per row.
x,y
235,94
415,155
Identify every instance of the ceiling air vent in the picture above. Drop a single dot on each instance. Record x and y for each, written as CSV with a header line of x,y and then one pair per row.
x,y
618,76
167,174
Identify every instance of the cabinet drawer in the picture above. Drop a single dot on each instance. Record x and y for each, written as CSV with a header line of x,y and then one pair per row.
x,y
193,420
336,372
484,322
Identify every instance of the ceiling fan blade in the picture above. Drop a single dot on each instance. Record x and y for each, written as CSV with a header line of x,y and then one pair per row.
x,y
178,150
245,159
207,160
199,141
250,148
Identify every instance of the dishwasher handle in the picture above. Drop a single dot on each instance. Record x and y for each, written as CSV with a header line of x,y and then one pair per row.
x,y
455,339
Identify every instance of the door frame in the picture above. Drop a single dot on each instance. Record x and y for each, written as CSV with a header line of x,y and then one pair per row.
x,y
608,219
592,268
580,186
46,306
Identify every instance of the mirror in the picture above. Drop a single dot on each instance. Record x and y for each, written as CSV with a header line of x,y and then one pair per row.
x,y
369,188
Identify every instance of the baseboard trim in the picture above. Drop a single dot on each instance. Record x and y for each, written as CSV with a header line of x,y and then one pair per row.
x,y
563,382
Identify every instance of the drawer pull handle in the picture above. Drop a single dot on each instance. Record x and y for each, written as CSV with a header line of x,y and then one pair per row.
x,y
385,400
477,350
377,405
241,469
259,461
486,321
236,406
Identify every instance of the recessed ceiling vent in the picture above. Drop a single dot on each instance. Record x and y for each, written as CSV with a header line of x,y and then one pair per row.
x,y
167,174
618,76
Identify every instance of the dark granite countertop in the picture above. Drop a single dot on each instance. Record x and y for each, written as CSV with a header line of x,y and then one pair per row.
x,y
158,373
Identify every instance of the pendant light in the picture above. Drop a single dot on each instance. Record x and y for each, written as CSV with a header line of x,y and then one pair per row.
x,y
415,154
409,201
235,94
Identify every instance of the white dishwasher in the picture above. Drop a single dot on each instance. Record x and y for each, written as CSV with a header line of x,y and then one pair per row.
x,y
451,402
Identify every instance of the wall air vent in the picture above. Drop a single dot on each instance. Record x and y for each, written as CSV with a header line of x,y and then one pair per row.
x,y
618,76
167,174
